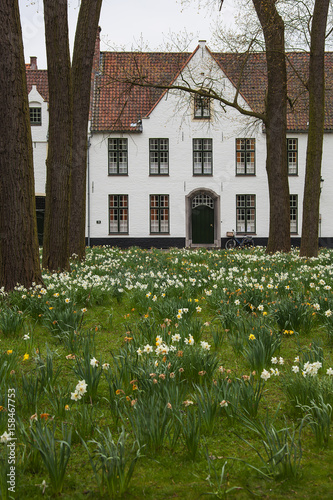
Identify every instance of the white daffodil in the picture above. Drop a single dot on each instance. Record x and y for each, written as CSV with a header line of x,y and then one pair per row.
x,y
94,362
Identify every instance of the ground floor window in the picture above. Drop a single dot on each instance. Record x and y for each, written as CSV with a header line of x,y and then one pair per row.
x,y
245,213
118,213
159,213
293,213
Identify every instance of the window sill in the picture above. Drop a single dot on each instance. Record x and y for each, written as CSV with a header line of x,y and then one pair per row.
x,y
202,175
159,175
119,234
118,175
245,175
157,234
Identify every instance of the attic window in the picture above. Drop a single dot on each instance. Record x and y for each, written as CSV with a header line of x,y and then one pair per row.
x,y
201,107
35,116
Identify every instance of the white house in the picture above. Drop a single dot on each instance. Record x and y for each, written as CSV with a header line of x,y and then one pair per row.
x,y
167,169
38,96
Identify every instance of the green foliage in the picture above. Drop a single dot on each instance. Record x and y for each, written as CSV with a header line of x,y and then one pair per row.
x,y
112,463
150,419
282,451
54,452
11,320
319,416
218,480
175,368
294,313
190,422
262,345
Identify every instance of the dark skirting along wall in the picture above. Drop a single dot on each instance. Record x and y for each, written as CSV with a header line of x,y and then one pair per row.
x,y
180,242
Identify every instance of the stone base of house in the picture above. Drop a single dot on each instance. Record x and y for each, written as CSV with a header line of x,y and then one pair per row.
x,y
180,242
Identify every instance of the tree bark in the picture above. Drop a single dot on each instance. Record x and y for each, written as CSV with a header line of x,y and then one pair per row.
x,y
19,254
276,126
55,244
310,222
84,48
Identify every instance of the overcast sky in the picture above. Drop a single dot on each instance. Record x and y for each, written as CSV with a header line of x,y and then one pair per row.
x,y
125,23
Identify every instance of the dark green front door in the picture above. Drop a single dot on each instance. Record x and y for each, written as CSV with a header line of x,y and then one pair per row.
x,y
203,224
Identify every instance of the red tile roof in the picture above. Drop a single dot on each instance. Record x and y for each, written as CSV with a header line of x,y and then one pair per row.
x,y
38,77
254,82
118,103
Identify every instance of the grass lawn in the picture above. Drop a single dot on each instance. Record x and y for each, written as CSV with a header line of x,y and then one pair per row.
x,y
160,375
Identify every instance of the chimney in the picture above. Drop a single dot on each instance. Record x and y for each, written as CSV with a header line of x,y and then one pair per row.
x,y
95,67
33,62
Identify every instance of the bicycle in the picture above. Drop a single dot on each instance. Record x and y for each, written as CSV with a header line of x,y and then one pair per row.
x,y
245,242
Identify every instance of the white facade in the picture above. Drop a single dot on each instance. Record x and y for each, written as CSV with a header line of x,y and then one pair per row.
x,y
39,134
173,119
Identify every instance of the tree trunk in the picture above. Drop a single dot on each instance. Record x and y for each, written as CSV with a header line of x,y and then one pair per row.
x,y
84,48
310,222
19,254
55,245
276,126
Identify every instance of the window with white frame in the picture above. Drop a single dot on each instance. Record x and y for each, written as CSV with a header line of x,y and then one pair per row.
x,y
201,107
245,213
158,156
118,213
159,213
293,213
245,156
118,156
292,152
202,156
35,115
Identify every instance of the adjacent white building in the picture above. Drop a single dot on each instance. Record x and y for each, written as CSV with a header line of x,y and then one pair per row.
x,y
169,169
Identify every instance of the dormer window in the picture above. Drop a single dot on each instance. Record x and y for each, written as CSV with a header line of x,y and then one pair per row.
x,y
201,107
35,116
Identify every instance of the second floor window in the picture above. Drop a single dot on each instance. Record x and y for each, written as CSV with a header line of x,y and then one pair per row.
x,y
292,147
158,156
201,107
245,156
202,156
245,213
118,156
35,116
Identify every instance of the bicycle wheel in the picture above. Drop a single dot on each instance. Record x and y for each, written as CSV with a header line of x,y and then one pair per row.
x,y
247,243
230,244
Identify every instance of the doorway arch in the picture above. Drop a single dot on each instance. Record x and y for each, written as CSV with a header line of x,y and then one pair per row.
x,y
203,227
